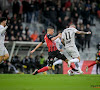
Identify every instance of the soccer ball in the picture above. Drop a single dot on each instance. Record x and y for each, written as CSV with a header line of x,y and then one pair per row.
x,y
70,72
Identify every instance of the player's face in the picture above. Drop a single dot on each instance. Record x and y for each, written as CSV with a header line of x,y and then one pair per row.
x,y
52,31
74,26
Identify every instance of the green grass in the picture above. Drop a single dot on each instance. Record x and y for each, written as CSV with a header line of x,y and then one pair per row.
x,y
48,82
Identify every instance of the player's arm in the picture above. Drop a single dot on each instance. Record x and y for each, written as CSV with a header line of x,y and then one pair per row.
x,y
40,44
54,38
62,38
82,32
3,29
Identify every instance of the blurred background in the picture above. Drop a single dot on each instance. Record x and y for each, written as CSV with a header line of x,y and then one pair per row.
x,y
28,20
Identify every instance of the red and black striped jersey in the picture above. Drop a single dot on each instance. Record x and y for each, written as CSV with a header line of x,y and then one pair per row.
x,y
50,44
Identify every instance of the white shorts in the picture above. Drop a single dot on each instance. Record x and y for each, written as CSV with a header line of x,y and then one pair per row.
x,y
72,51
3,51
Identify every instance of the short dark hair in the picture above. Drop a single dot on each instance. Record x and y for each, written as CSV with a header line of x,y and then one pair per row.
x,y
50,27
2,19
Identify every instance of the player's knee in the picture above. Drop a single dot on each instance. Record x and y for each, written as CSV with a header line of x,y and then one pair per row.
x,y
6,56
0,58
97,61
66,60
79,59
49,67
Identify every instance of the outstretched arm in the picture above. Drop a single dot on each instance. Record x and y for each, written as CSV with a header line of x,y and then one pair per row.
x,y
40,44
82,32
58,36
3,30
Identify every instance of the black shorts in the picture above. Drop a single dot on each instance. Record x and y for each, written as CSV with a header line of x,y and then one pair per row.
x,y
54,54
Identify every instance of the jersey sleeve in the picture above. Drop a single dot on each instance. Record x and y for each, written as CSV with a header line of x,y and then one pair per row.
x,y
58,43
49,36
75,30
57,40
63,35
2,30
43,40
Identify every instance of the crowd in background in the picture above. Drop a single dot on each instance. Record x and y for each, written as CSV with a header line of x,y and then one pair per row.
x,y
62,13
25,65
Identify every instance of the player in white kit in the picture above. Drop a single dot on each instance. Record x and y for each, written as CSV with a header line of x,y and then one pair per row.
x,y
68,39
3,51
62,50
58,45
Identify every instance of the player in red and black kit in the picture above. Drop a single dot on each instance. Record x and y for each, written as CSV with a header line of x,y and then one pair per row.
x,y
52,50
97,61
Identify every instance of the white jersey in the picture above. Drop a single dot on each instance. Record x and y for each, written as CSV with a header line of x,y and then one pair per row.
x,y
2,35
59,44
3,50
69,36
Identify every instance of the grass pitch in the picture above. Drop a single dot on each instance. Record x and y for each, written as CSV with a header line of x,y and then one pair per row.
x,y
49,82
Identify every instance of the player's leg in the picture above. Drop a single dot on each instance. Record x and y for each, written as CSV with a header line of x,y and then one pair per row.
x,y
73,52
57,62
11,66
1,54
87,67
69,58
97,67
78,67
46,68
76,58
41,70
1,59
4,58
62,56
4,55
50,63
77,64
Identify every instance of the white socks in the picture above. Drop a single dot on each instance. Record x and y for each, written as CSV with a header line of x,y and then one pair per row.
x,y
78,67
57,62
74,60
16,71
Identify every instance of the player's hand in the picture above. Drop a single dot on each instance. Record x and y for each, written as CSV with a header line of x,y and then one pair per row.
x,y
59,35
6,26
89,32
61,50
32,51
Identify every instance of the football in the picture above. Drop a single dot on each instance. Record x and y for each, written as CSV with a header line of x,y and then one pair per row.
x,y
70,72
